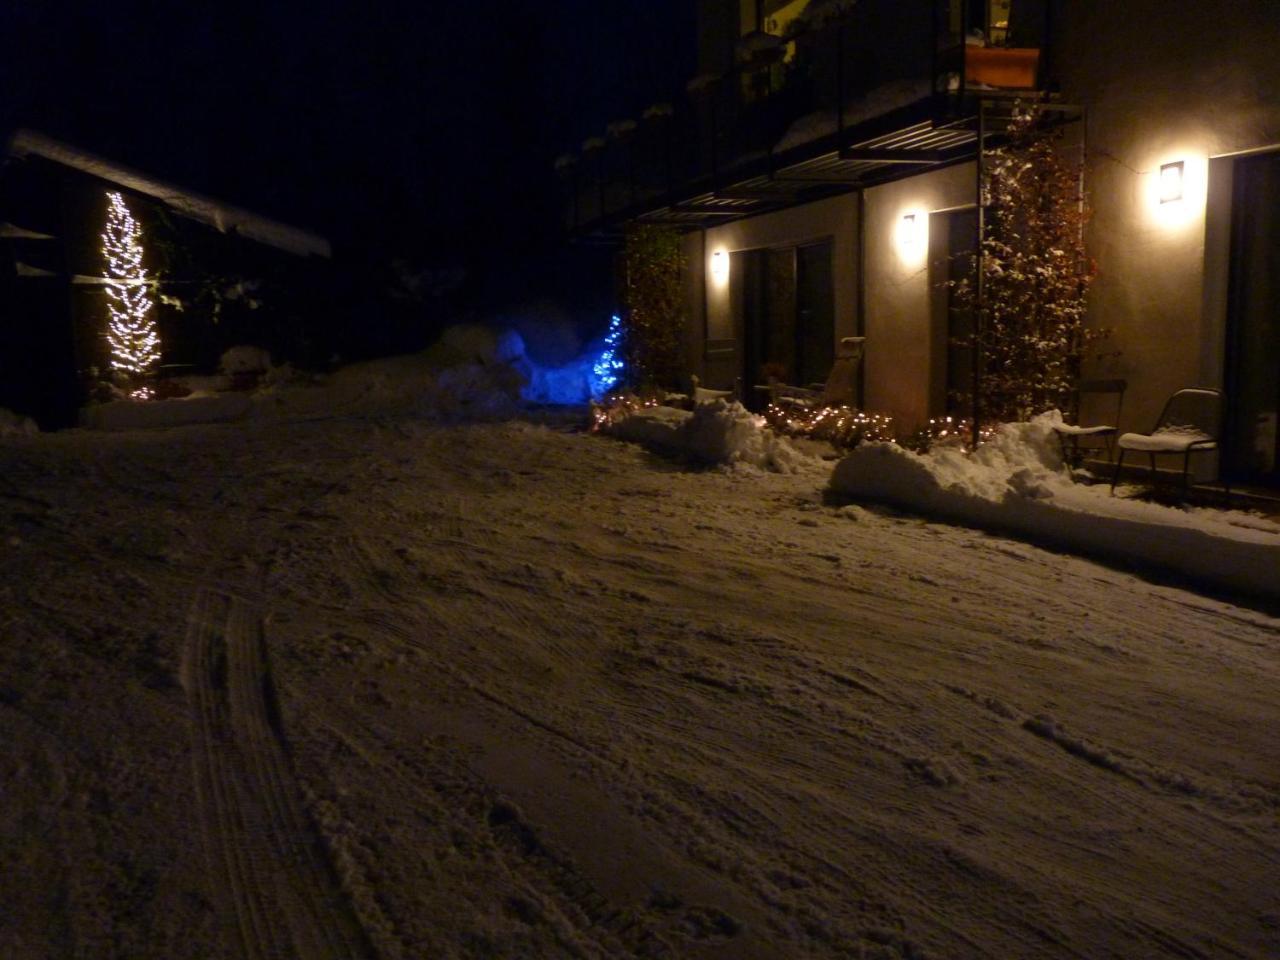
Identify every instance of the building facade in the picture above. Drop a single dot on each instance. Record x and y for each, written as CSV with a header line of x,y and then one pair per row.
x,y
823,167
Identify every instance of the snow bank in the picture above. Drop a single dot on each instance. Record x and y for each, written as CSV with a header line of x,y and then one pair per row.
x,y
147,414
245,359
714,433
16,425
491,347
421,384
1016,484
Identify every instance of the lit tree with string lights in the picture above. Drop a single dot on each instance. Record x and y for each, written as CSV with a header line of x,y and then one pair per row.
x,y
131,331
608,367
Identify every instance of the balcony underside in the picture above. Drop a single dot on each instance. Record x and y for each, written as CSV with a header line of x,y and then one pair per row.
x,y
930,133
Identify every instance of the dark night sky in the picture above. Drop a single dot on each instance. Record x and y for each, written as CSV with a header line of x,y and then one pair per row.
x,y
390,125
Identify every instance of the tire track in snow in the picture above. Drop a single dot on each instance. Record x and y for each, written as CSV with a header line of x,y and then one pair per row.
x,y
276,889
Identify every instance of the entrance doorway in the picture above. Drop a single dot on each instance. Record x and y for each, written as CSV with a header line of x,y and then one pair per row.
x,y
953,243
788,315
1253,323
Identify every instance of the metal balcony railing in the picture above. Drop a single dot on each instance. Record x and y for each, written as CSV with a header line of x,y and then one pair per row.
x,y
840,71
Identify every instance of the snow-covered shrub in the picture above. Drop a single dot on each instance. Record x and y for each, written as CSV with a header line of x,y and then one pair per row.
x,y
475,343
244,360
16,425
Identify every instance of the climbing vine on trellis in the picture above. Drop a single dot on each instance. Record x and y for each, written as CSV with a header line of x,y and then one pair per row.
x,y
1036,272
653,291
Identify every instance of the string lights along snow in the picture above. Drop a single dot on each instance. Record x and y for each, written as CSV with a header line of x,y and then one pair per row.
x,y
607,369
131,331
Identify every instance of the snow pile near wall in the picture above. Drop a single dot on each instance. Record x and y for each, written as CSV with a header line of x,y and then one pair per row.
x,y
713,433
1016,484
16,425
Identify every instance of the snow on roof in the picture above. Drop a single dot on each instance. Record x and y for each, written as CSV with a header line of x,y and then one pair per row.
x,y
220,216
860,107
26,270
22,233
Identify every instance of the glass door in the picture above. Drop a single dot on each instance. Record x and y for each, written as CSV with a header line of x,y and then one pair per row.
x,y
788,315
1253,326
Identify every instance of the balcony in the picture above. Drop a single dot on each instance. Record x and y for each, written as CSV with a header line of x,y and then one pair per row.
x,y
864,93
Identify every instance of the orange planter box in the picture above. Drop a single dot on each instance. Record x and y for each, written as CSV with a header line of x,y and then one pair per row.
x,y
1010,67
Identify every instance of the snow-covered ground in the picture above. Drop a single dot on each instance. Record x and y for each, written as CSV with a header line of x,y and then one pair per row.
x,y
1017,484
358,677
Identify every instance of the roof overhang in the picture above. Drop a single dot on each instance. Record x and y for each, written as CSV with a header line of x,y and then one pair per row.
x,y
223,217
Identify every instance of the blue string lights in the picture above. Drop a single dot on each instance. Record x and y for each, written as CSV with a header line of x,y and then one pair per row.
x,y
607,370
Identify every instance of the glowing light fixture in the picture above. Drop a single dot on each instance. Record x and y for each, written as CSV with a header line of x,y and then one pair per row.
x,y
912,238
1171,176
720,268
131,331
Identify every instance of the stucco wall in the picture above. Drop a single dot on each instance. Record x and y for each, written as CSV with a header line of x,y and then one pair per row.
x,y
1162,83
836,218
902,351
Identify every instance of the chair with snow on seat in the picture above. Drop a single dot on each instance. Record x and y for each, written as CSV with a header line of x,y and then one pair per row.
x,y
1070,435
1190,423
840,388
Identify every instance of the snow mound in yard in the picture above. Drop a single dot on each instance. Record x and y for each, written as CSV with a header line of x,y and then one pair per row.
x,y
153,414
423,384
1016,484
14,425
713,433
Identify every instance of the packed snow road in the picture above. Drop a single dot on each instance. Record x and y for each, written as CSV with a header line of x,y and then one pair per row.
x,y
374,687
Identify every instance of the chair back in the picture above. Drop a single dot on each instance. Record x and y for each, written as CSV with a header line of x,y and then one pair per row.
x,y
1099,411
1199,408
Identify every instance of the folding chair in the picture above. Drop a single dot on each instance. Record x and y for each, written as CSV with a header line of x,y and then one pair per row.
x,y
1070,434
1190,423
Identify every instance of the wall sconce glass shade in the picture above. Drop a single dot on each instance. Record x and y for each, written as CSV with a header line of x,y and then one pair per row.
x,y
1171,182
909,229
720,267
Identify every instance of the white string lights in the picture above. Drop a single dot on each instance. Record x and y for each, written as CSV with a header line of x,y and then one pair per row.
x,y
131,332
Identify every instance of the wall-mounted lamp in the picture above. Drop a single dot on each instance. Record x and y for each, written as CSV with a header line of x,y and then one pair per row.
x,y
720,268
1171,181
912,238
